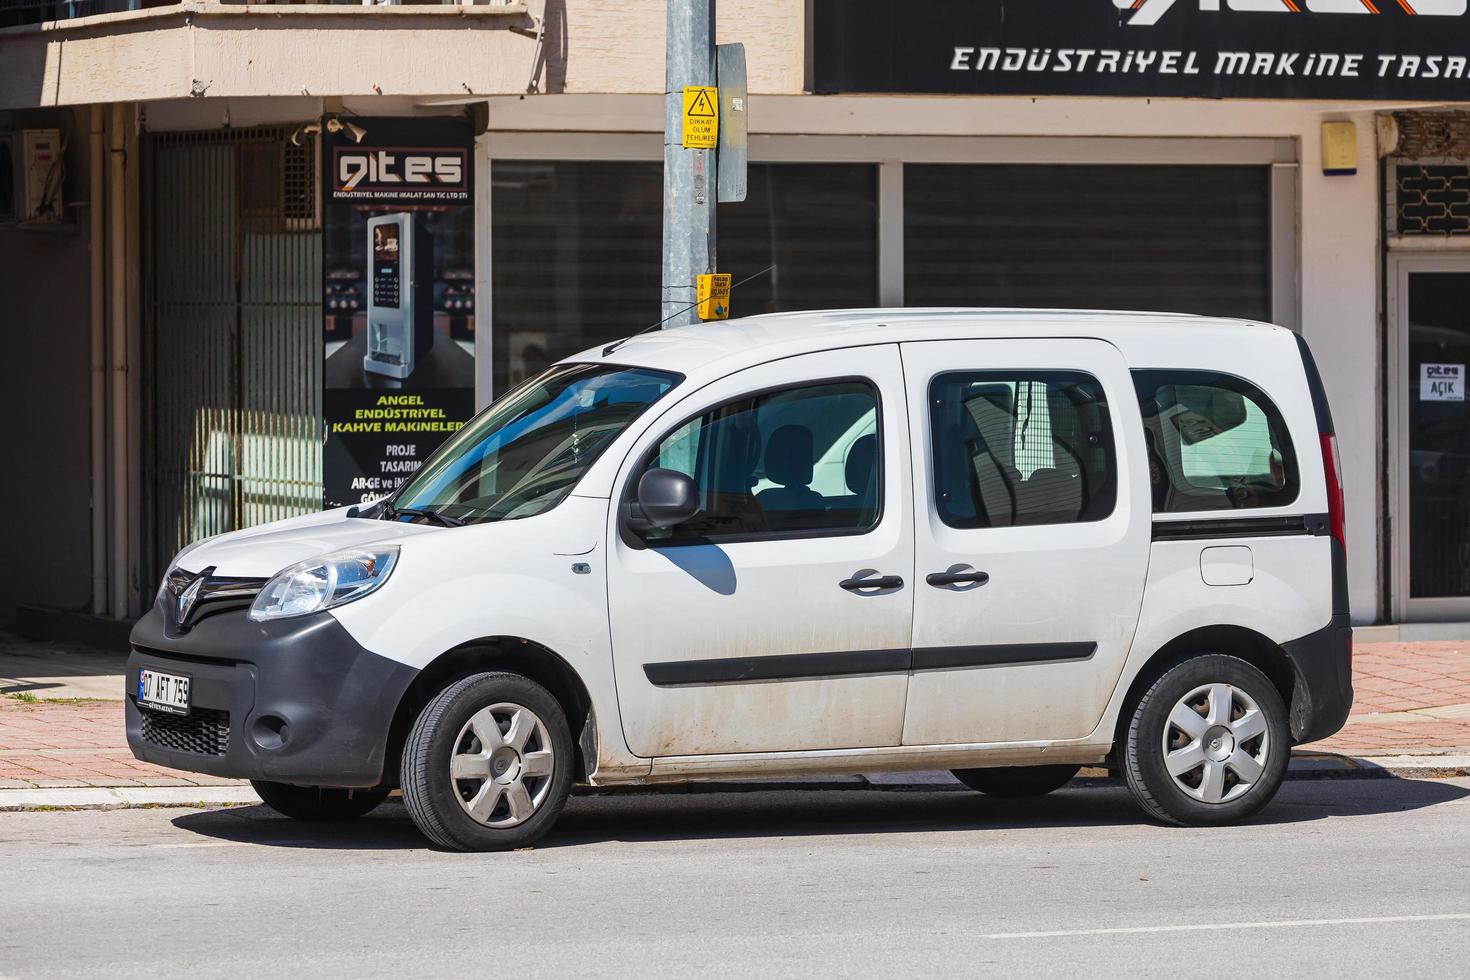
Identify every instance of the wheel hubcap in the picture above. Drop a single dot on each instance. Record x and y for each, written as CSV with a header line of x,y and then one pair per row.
x,y
502,765
1216,743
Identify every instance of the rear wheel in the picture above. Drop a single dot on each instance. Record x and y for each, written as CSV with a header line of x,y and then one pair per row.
x,y
1208,742
318,802
488,764
1017,781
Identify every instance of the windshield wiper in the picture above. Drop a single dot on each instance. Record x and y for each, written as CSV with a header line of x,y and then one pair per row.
x,y
444,520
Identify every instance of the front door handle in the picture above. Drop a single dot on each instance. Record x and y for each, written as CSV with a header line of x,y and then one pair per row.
x,y
940,579
863,584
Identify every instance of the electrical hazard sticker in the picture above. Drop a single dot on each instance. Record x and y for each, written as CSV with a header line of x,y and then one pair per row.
x,y
701,117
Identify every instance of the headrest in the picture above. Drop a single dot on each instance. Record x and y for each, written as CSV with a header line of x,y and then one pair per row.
x,y
789,456
862,460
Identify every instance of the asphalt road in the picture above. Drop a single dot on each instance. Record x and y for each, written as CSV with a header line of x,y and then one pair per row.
x,y
1362,877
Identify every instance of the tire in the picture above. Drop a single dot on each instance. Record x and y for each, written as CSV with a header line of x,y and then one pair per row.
x,y
511,784
318,802
1227,761
1016,782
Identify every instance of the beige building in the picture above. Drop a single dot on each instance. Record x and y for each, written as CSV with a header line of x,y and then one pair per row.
x,y
165,314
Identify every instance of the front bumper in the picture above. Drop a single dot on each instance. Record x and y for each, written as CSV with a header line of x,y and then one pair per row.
x,y
292,701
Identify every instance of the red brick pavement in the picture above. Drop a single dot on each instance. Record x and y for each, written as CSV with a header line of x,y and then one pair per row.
x,y
1400,688
1405,698
76,744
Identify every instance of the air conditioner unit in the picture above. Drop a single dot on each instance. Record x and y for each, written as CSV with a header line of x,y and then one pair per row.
x,y
31,171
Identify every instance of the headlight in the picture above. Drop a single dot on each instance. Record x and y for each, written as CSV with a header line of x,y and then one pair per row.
x,y
321,583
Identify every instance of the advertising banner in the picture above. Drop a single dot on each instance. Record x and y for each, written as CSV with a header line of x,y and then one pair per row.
x,y
1248,49
398,255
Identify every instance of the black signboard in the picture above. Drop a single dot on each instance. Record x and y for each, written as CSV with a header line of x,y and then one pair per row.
x,y
1245,49
398,298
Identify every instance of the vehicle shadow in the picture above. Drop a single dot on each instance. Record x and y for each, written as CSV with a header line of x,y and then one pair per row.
x,y
730,813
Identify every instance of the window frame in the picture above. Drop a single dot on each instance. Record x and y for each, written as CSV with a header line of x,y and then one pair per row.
x,y
1276,424
625,499
1015,375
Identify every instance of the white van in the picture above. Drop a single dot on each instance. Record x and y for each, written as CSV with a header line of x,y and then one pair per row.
x,y
1006,543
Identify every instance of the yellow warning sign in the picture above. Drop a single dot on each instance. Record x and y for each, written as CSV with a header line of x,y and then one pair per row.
x,y
701,117
714,295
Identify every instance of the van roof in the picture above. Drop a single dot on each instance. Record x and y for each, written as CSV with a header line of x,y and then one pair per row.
x,y
690,349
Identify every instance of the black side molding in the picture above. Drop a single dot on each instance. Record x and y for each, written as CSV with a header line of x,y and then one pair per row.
x,y
815,666
1315,525
784,667
949,658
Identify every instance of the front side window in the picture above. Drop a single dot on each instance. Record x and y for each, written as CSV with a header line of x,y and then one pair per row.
x,y
1015,448
527,451
1215,442
801,460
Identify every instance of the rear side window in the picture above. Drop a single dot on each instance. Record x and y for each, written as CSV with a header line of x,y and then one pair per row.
x,y
1021,448
1215,442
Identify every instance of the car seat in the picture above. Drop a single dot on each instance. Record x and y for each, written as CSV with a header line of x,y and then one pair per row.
x,y
788,464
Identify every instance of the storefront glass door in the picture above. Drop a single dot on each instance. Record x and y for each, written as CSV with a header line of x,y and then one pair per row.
x,y
1432,539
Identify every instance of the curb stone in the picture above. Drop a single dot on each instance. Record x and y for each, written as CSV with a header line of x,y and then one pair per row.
x,y
124,797
1303,766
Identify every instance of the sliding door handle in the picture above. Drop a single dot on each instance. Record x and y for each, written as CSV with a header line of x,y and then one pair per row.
x,y
940,579
863,584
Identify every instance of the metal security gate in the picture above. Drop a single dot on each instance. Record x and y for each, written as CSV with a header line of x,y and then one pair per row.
x,y
234,297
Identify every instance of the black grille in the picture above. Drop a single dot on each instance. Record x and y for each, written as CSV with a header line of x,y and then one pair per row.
x,y
216,594
204,731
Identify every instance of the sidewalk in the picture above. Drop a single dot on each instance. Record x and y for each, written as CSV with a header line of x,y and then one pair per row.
x,y
1412,705
1408,699
76,743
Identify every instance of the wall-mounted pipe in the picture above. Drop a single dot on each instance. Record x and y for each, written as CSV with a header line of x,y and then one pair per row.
x,y
117,255
97,245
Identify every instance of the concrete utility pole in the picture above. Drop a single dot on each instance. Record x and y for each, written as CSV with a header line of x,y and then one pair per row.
x,y
689,175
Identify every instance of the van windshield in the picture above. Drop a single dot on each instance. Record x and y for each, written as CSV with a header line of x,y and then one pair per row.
x,y
526,452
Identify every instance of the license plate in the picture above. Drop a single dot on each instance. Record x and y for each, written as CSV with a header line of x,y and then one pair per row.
x,y
164,692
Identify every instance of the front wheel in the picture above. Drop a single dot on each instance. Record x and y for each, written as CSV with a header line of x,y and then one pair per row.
x,y
488,764
1208,743
1017,781
318,802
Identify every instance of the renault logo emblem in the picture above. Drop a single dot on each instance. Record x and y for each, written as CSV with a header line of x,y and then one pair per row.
x,y
185,602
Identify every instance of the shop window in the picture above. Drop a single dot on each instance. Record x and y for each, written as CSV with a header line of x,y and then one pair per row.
x,y
1021,448
1187,239
1215,442
576,250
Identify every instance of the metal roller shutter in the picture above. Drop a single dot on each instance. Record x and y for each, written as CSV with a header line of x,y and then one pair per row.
x,y
1190,239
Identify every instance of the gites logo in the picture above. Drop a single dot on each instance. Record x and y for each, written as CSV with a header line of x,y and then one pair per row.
x,y
399,170
1148,12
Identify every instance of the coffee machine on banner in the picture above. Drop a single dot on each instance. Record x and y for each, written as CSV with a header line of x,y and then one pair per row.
x,y
400,309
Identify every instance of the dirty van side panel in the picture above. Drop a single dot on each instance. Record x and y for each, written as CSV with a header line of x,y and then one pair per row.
x,y
1011,468
749,641
1266,568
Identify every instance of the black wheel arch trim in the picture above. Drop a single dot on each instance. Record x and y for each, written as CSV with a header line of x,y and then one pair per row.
x,y
1312,672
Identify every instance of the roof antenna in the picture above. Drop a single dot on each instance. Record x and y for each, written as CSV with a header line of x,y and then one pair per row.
x,y
654,326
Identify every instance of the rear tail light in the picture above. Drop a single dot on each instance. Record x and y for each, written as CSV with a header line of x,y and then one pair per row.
x,y
1332,466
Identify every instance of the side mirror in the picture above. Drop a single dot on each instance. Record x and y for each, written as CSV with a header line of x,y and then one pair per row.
x,y
665,498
